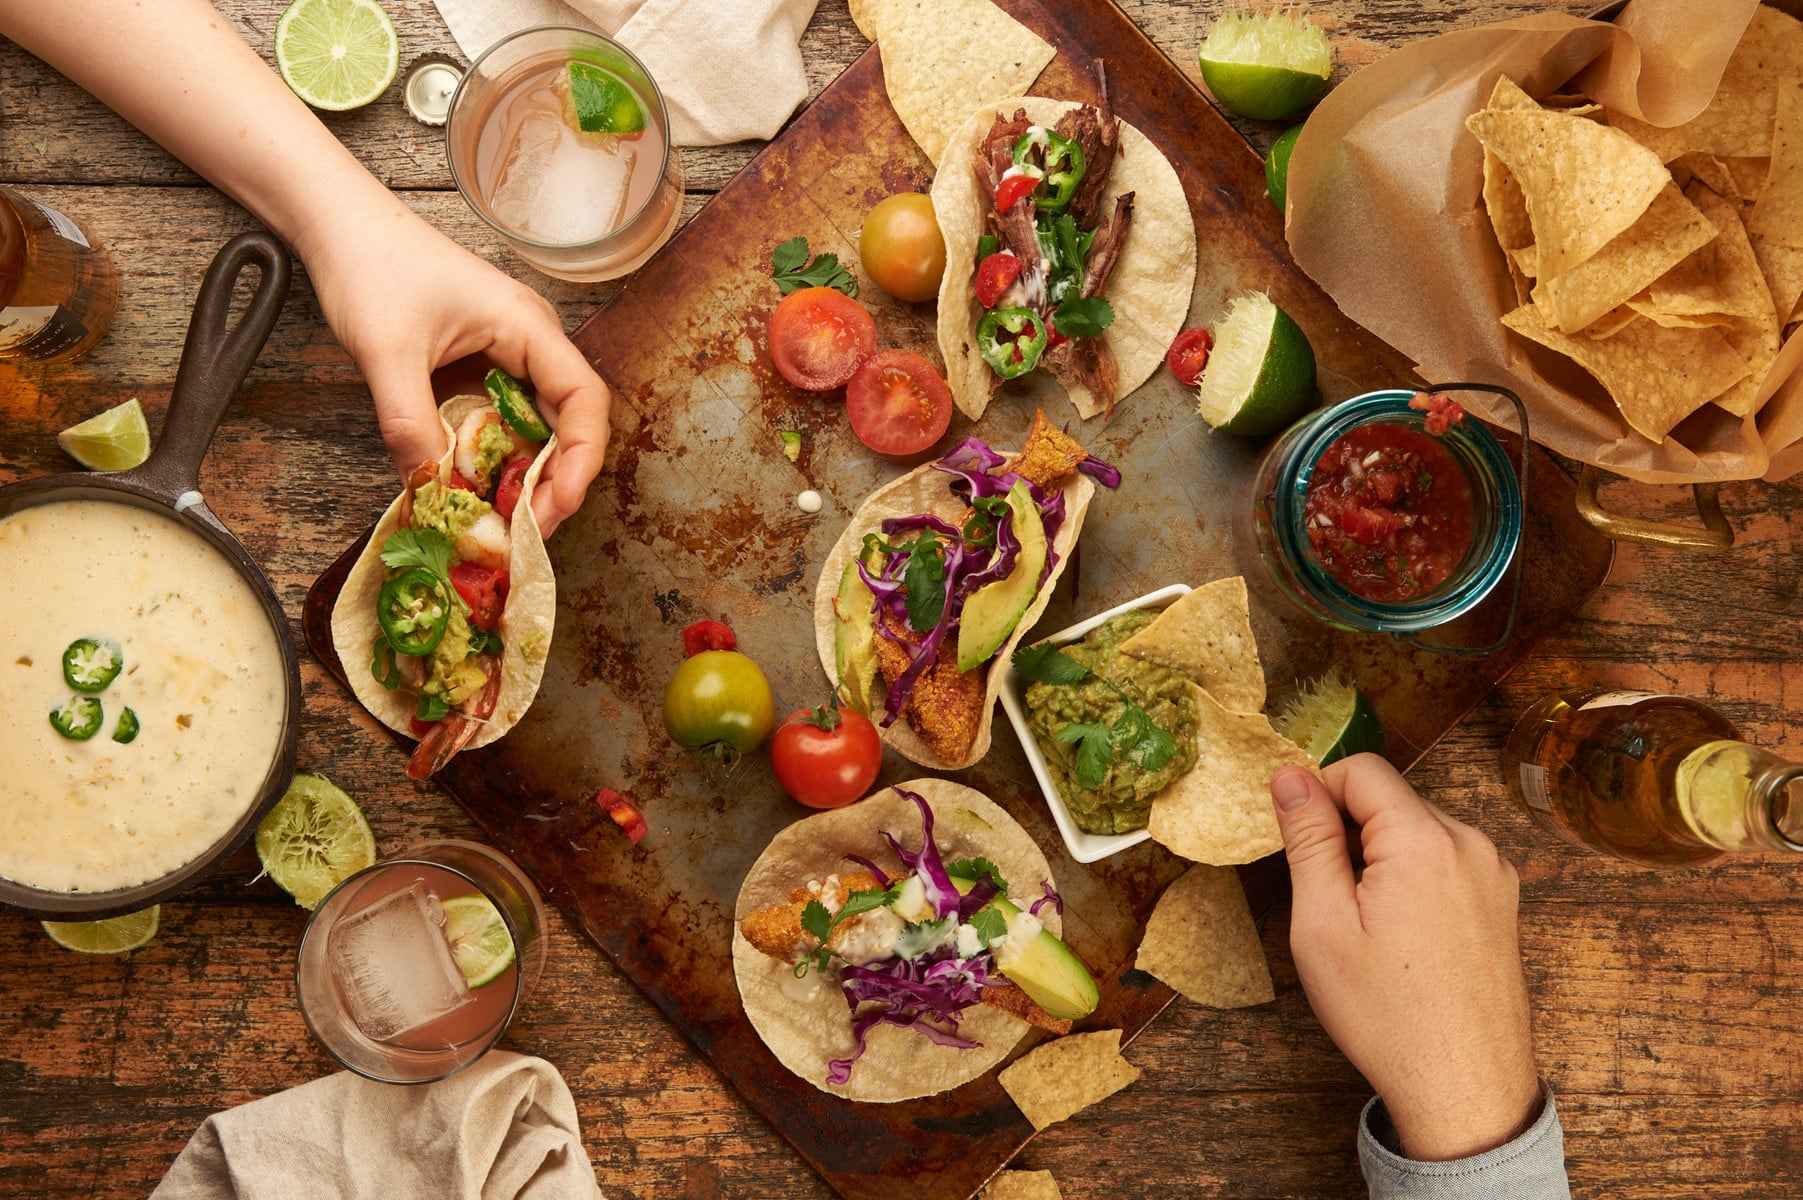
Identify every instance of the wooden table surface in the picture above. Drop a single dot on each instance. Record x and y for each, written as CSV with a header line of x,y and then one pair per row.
x,y
1663,1010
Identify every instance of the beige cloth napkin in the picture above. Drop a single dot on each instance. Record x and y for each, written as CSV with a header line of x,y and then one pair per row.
x,y
504,1129
729,69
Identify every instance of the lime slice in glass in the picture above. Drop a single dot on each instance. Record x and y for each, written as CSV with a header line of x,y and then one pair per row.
x,y
114,935
336,54
1712,785
1261,374
479,939
314,839
1331,719
1266,65
598,101
115,440
1277,166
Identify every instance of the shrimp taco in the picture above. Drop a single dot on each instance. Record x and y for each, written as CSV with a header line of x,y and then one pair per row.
x,y
444,623
1069,247
881,973
936,578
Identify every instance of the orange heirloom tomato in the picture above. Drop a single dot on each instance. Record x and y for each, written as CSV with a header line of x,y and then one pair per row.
x,y
901,247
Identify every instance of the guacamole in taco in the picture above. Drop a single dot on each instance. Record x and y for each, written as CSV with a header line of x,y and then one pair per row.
x,y
902,946
444,623
1069,248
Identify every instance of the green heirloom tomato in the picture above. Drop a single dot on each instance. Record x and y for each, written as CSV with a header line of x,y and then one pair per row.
x,y
719,703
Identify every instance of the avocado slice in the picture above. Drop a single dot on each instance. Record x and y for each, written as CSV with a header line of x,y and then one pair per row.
x,y
1044,968
992,611
854,637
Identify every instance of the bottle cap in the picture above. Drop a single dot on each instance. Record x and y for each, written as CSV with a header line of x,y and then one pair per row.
x,y
426,89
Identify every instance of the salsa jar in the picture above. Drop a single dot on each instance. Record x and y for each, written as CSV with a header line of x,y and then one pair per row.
x,y
1376,516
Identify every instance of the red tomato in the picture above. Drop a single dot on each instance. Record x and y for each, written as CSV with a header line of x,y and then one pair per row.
x,y
460,483
1012,189
708,635
624,812
420,728
994,275
484,589
510,484
1188,355
826,758
820,337
898,404
901,247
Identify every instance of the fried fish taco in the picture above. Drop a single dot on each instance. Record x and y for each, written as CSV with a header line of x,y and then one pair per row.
x,y
882,974
937,577
1069,247
444,623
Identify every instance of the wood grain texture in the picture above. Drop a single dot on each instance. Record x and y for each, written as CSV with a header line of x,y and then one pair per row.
x,y
1663,1006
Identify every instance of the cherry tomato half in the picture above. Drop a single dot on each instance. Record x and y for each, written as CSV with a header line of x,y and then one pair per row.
x,y
901,247
898,404
1188,355
511,483
819,338
1013,190
484,589
719,702
994,276
826,758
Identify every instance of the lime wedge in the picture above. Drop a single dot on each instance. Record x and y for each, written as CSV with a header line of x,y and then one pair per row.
x,y
115,440
336,54
1261,373
1331,719
114,935
314,839
598,101
479,939
1712,785
1266,65
1277,166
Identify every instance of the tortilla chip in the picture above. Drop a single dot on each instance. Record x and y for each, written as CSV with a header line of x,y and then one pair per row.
x,y
1659,316
1610,324
1775,222
1503,199
1758,344
1705,167
1656,376
1219,811
1748,174
1721,277
1201,940
1206,634
1669,230
943,58
1066,1075
1022,1185
1584,183
1737,121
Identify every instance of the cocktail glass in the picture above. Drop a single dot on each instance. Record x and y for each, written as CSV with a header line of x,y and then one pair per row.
x,y
580,206
378,980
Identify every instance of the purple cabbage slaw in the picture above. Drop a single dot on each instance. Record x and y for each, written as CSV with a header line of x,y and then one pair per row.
x,y
976,474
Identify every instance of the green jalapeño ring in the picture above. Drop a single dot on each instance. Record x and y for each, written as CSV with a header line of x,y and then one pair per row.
x,y
1386,558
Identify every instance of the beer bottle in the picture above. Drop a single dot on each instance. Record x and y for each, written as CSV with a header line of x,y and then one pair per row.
x,y
58,286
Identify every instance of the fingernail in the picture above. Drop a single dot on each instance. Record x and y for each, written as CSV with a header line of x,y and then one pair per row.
x,y
1290,790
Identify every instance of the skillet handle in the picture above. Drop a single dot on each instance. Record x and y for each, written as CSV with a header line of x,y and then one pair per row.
x,y
215,360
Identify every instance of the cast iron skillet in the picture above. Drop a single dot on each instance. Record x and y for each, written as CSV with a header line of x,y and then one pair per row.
x,y
215,360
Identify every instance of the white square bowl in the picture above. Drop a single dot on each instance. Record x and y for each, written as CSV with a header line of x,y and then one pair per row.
x,y
1085,847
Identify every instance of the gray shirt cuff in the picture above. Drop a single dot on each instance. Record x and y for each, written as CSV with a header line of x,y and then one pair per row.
x,y
1532,1167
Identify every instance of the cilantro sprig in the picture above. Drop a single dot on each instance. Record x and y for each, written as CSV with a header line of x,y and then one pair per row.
x,y
816,920
924,579
1133,738
794,271
1083,317
977,868
426,548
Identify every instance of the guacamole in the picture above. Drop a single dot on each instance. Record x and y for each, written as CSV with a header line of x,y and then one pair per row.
x,y
449,510
453,675
1124,800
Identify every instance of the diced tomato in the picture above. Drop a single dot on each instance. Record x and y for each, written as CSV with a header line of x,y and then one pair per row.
x,y
459,482
1369,526
819,337
484,589
1188,355
898,403
624,812
510,484
1442,411
420,728
1052,338
995,275
708,635
1012,189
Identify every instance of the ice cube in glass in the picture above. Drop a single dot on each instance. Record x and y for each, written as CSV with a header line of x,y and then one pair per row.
x,y
394,965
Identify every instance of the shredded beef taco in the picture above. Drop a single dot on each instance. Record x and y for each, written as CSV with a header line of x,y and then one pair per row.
x,y
941,943
1069,248
445,621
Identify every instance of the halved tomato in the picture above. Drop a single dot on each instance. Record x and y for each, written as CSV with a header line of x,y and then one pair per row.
x,y
898,404
819,338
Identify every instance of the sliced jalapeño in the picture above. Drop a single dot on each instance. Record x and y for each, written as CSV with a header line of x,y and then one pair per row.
x,y
414,611
90,664
514,406
1011,340
78,718
1059,161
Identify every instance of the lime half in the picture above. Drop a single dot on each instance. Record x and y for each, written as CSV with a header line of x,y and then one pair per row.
x,y
1261,373
115,440
1331,719
1266,65
601,102
314,839
1277,166
1712,785
336,54
114,935
479,939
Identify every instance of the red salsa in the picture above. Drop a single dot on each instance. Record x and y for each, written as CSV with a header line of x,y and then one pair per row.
x,y
1389,512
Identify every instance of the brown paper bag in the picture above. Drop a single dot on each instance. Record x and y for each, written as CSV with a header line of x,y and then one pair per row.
x,y
1386,214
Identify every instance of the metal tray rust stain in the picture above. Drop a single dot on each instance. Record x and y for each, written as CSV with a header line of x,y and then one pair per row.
x,y
696,517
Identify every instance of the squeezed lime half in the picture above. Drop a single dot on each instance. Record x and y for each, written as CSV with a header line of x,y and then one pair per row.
x,y
1266,66
1261,374
336,54
1331,719
479,939
112,935
314,839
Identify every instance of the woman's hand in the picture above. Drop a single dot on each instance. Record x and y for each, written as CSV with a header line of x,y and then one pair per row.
x,y
1411,963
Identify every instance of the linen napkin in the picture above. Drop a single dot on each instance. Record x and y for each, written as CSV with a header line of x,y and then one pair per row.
x,y
503,1129
729,69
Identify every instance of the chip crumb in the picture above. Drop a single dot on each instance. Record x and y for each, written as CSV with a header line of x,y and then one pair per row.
x,y
1202,941
1067,1075
1022,1185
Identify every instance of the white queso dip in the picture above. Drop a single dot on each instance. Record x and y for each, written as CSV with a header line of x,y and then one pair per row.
x,y
196,664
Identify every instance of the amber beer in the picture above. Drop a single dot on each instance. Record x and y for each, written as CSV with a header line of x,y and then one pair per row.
x,y
58,286
1659,780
